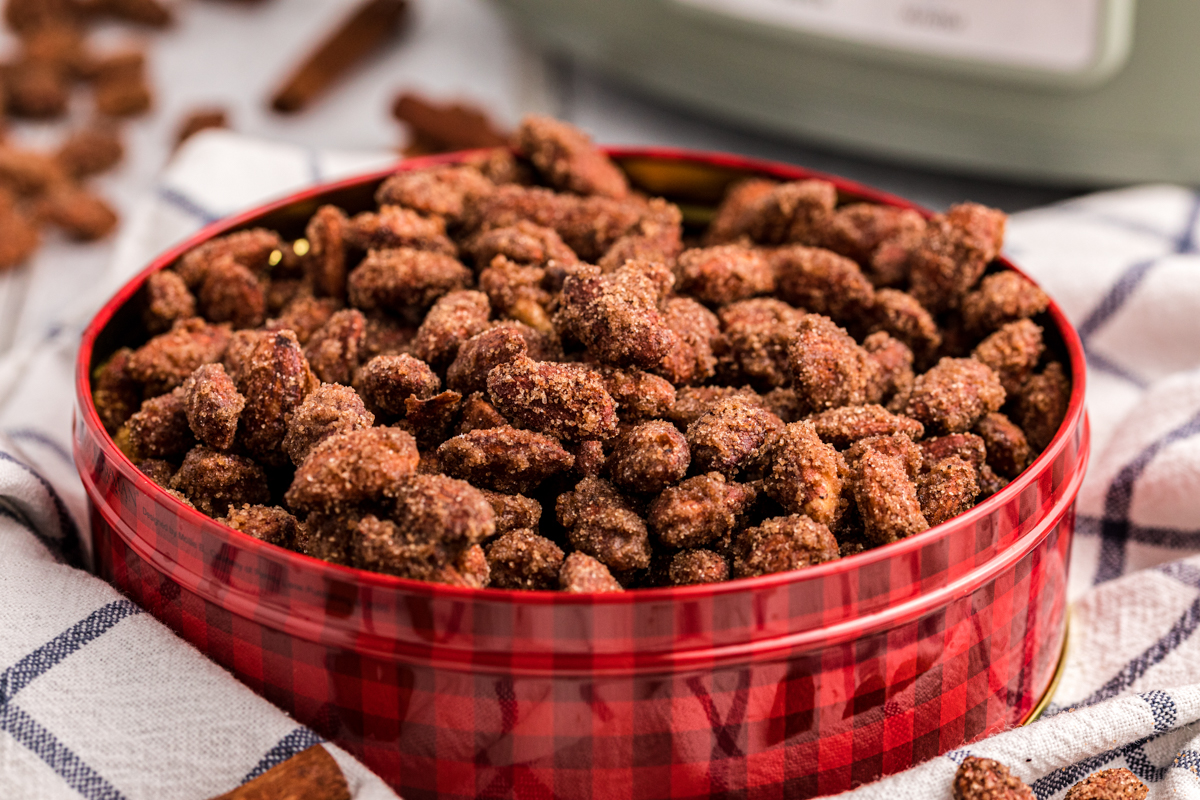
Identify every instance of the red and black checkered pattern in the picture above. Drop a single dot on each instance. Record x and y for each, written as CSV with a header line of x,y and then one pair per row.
x,y
789,685
675,693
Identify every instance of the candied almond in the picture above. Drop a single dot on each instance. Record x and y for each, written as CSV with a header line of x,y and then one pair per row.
x,y
699,510
393,226
616,317
524,243
822,282
333,350
954,395
947,489
693,358
957,248
158,470
1002,297
325,262
382,545
329,536
829,368
404,280
582,574
691,567
431,419
275,378
520,559
656,236
732,435
504,459
327,410
516,291
805,475
757,335
886,497
638,395
454,319
601,523
251,248
857,230
478,414
693,402
901,316
167,300
513,511
649,457
80,214
386,382
781,544
436,508
1109,784
213,405
1006,446
434,191
567,400
168,359
967,446
271,524
115,393
795,212
894,377
567,159
352,467
844,426
588,225
723,274
303,314
480,354
738,210
160,427
986,779
1012,352
897,446
1042,404
231,292
213,481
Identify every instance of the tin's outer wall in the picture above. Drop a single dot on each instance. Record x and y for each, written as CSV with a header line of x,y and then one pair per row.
x,y
780,721
786,685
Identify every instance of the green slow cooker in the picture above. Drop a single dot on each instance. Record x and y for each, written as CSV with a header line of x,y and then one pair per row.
x,y
1057,91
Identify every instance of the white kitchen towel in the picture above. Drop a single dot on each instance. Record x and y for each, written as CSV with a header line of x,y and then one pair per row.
x,y
97,698
92,701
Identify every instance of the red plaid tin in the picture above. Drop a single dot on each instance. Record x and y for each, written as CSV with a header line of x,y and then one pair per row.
x,y
789,685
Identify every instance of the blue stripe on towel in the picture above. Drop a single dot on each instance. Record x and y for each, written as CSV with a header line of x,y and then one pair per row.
x,y
60,758
186,204
68,546
32,435
1127,284
1180,631
294,743
1189,760
34,736
88,629
1114,529
1064,777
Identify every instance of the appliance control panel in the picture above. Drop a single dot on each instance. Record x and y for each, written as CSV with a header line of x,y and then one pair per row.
x,y
1053,37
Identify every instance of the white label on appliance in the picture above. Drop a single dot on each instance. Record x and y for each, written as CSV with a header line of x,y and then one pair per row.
x,y
1054,35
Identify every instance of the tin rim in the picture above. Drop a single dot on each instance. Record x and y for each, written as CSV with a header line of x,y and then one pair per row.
x,y
1075,416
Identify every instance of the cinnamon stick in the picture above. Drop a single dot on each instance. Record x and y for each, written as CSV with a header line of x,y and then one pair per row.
x,y
373,24
439,128
311,775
